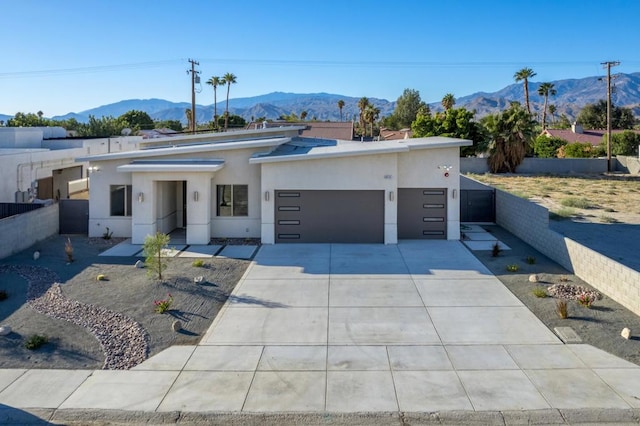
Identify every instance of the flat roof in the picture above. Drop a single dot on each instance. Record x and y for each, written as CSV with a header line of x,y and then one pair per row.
x,y
189,165
187,149
308,149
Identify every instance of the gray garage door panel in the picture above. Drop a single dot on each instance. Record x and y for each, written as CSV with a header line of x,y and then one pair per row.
x,y
309,216
422,213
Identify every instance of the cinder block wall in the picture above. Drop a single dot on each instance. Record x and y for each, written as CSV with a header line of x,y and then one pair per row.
x,y
530,222
23,230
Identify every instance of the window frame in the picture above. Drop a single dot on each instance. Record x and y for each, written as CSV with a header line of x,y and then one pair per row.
x,y
127,200
236,207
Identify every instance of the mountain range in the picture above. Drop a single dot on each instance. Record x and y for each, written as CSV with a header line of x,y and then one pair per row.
x,y
571,96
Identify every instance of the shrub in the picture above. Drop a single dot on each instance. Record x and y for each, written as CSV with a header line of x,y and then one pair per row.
x,y
531,260
547,146
562,309
3,295
107,235
35,341
513,268
68,250
539,292
586,300
163,305
153,250
563,213
580,150
625,143
198,263
495,249
578,203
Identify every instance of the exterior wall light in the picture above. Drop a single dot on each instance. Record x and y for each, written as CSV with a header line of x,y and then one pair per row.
x,y
391,196
141,197
446,168
266,195
196,196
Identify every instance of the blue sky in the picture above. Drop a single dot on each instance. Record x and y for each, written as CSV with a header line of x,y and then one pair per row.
x,y
72,55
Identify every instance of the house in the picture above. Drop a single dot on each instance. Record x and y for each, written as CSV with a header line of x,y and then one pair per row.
x,y
578,134
342,130
39,162
389,134
275,185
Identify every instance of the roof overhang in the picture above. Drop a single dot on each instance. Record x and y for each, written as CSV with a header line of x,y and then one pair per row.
x,y
194,165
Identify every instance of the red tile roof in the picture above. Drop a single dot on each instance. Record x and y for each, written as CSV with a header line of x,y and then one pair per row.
x,y
594,137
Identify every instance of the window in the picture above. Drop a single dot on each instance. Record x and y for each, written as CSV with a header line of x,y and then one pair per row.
x,y
233,200
120,196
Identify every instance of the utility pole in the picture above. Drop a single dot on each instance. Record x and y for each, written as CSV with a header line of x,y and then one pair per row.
x,y
194,78
608,66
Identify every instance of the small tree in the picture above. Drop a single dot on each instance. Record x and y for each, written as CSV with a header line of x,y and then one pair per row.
x,y
153,251
625,143
547,146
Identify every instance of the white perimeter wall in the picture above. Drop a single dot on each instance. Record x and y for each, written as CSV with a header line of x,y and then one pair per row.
x,y
21,231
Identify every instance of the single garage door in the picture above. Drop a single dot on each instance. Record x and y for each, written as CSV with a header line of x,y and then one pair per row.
x,y
422,213
318,216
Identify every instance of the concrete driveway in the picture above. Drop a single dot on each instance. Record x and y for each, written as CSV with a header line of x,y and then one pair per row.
x,y
417,327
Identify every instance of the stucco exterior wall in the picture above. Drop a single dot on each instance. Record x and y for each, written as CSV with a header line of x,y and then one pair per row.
x,y
21,231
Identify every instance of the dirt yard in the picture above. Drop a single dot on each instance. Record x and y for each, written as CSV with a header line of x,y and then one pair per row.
x,y
593,198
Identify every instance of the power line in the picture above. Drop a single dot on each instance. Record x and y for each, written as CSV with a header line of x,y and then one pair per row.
x,y
88,70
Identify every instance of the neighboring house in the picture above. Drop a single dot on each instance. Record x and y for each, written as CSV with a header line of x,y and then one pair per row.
x,y
39,162
578,134
273,184
388,134
342,130
157,133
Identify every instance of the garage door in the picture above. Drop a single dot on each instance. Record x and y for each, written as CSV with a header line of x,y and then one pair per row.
x,y
311,216
422,213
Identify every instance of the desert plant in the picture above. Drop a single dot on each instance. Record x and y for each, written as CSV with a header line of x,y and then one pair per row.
x,y
513,268
101,277
562,213
153,250
107,235
564,279
580,203
495,249
562,309
539,292
586,300
3,295
68,250
198,263
35,341
163,305
531,260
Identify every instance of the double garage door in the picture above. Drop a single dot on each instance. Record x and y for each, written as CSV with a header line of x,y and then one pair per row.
x,y
327,216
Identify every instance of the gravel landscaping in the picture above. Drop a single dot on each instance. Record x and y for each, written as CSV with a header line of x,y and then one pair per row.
x,y
108,323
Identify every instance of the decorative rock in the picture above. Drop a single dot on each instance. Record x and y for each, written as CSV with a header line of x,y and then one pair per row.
x,y
626,333
533,278
199,279
36,255
176,326
139,264
5,330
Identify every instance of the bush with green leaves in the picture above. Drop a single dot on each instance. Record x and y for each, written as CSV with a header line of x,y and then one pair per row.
x,y
547,146
580,150
625,143
154,248
35,341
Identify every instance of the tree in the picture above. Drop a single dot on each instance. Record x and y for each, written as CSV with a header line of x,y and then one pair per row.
x,y
453,123
625,143
371,114
137,120
524,75
552,111
407,107
580,150
448,101
215,82
303,115
28,120
169,124
340,106
547,146
189,115
594,116
228,79
104,126
233,121
546,90
363,103
153,250
511,133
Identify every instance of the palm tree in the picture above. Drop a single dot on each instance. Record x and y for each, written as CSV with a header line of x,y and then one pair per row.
x,y
228,79
524,75
546,90
363,103
215,82
448,101
340,106
189,115
511,132
303,115
371,114
552,111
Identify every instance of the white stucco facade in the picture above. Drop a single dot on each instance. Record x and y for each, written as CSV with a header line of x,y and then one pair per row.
x,y
175,185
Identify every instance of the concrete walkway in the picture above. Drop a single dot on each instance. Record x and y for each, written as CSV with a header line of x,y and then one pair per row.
x,y
417,327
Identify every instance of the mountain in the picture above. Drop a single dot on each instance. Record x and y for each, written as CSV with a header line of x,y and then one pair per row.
x,y
572,95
